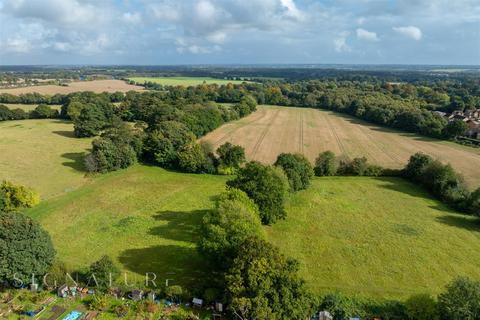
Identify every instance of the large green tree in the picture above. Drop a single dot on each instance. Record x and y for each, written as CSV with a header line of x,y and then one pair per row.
x,y
266,186
298,169
326,164
25,248
262,284
234,219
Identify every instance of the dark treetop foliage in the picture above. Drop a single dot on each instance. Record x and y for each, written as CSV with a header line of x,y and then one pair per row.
x,y
104,271
266,186
230,157
25,248
262,284
298,169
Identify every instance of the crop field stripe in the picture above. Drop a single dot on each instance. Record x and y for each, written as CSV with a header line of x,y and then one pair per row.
x,y
235,128
264,133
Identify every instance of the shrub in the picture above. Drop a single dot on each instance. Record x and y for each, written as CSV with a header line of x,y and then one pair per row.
x,y
356,167
416,166
230,157
26,248
326,164
474,202
105,272
192,158
297,168
43,112
421,307
266,186
15,197
461,300
174,292
342,307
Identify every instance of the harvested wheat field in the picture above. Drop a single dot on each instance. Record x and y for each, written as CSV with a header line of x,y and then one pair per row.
x,y
273,130
97,86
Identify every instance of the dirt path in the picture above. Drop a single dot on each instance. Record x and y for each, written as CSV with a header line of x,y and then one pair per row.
x,y
273,130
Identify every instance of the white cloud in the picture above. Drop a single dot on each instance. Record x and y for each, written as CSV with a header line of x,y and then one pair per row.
x,y
340,43
410,31
292,10
133,18
366,35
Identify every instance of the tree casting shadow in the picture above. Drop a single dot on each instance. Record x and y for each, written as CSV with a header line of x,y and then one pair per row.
x,y
64,133
466,222
180,225
77,162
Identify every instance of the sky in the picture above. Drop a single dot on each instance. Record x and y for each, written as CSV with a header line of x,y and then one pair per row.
x,y
171,32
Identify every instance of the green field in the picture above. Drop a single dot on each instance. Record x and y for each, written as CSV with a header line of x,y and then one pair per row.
x,y
145,217
183,81
376,237
42,154
373,236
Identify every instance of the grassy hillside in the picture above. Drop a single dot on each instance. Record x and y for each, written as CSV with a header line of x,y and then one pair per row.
x,y
146,218
42,154
377,237
183,81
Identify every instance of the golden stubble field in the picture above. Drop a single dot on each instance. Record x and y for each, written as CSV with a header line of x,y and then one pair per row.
x,y
273,130
97,86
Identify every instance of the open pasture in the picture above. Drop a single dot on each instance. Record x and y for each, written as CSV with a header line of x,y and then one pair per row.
x,y
183,81
273,130
43,155
97,86
378,237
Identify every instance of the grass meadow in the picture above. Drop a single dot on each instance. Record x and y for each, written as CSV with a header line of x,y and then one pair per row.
x,y
43,155
183,81
371,236
376,237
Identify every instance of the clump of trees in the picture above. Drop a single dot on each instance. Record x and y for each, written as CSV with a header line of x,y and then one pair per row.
x,y
40,112
267,186
16,197
26,248
327,164
442,180
117,148
235,218
297,168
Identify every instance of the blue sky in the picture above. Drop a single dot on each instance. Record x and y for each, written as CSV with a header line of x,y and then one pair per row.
x,y
239,31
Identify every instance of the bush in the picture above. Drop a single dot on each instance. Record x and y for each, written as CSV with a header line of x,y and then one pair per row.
x,y
326,164
230,157
174,292
474,202
342,307
26,248
416,166
192,158
266,186
43,112
421,307
105,272
356,167
297,168
461,300
14,197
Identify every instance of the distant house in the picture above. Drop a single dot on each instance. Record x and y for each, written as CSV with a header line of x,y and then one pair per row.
x,y
473,128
